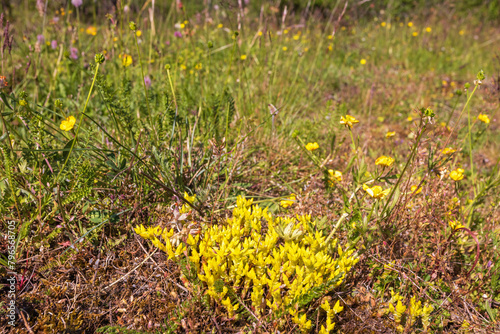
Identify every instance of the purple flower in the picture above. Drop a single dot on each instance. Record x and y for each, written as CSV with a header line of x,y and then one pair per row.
x,y
53,44
40,38
167,42
73,53
177,34
147,81
77,3
489,264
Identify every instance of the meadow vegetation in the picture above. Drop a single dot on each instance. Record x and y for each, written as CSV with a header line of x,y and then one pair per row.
x,y
251,167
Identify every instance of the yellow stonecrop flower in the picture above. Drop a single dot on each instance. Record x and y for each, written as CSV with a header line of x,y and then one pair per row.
x,y
448,151
288,202
312,146
68,123
91,31
484,118
186,208
348,120
335,175
426,312
457,174
415,309
390,134
376,191
384,161
126,60
266,271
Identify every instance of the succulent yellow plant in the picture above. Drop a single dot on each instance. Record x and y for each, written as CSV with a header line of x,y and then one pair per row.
x,y
273,265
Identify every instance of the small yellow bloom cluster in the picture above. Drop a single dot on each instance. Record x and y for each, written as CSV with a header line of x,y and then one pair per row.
x,y
169,246
329,316
312,146
384,161
457,175
335,176
390,134
376,191
288,202
397,309
414,190
348,121
455,225
91,31
448,151
186,208
126,60
271,273
484,118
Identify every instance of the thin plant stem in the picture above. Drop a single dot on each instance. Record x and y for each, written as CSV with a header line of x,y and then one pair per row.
x,y
79,122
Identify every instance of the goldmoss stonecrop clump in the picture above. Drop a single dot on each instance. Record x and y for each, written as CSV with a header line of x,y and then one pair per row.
x,y
276,265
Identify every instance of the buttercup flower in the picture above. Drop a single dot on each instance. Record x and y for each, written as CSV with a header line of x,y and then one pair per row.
x,y
390,134
312,146
68,123
126,60
91,31
335,175
288,202
348,120
484,118
457,174
243,57
362,61
448,151
376,191
384,161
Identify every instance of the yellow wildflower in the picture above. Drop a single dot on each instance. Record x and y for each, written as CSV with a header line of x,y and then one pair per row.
x,y
285,48
455,224
428,29
220,25
461,32
68,123
376,191
390,134
448,151
288,202
138,33
260,33
415,33
362,61
335,175
348,120
312,146
457,174
383,24
384,161
198,66
243,57
484,118
415,191
410,24
126,60
285,31
91,31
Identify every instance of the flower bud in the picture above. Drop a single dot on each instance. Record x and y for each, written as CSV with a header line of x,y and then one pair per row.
x,y
99,58
132,26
